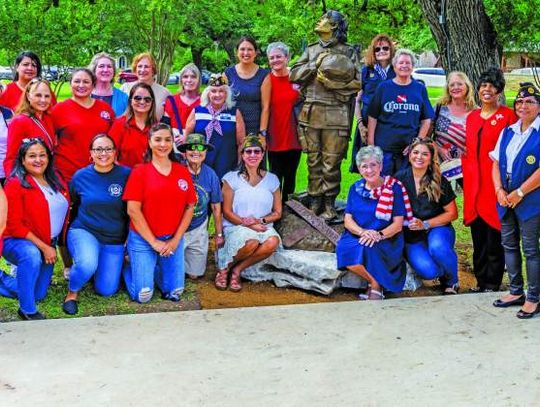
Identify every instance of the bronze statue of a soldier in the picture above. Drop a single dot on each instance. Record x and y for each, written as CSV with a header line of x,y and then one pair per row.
x,y
329,75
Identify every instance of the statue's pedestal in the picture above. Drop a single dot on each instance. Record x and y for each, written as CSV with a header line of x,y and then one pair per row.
x,y
307,259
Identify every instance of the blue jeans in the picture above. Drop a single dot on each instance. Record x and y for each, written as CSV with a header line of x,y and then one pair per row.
x,y
146,265
435,257
92,258
394,162
511,229
33,274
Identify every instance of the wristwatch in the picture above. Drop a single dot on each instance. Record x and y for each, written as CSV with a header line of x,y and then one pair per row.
x,y
263,221
426,224
520,192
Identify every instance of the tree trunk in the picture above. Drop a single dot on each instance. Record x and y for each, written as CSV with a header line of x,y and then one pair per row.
x,y
468,41
196,55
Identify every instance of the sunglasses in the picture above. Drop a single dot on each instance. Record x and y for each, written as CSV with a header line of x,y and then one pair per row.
x,y
101,150
147,99
253,151
384,48
196,147
31,140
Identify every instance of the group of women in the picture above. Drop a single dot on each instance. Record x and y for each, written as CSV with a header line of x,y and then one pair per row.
x,y
135,195
402,186
99,176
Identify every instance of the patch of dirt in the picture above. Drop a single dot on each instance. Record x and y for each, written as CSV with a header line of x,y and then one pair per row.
x,y
264,294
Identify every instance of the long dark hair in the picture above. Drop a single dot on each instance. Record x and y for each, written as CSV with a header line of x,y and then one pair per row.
x,y
151,118
431,181
29,54
20,172
339,20
155,128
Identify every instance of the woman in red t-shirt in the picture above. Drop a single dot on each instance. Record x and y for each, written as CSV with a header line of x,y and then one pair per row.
x,y
77,121
179,107
160,201
284,150
483,127
27,67
32,120
130,131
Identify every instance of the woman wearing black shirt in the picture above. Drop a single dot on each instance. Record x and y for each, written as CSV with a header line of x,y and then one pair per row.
x,y
430,237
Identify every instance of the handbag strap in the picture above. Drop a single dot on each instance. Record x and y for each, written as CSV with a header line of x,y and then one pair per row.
x,y
44,131
176,112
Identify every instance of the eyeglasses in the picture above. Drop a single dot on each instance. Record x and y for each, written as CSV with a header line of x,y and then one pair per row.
x,y
527,102
253,151
101,150
196,147
147,99
383,48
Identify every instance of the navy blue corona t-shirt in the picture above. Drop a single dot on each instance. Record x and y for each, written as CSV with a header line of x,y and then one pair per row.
x,y
399,109
97,200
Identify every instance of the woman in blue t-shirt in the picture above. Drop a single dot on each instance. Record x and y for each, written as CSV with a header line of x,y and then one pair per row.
x,y
399,112
209,196
98,232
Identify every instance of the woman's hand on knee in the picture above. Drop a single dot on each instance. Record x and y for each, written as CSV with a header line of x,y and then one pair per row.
x,y
49,254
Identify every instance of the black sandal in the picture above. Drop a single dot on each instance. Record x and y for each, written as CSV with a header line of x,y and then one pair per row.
x,y
527,315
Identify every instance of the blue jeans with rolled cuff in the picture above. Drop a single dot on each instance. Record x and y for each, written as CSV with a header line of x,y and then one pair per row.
x,y
147,266
33,277
511,229
435,257
94,259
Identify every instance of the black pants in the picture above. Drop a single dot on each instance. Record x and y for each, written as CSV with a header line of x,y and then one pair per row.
x,y
284,165
488,255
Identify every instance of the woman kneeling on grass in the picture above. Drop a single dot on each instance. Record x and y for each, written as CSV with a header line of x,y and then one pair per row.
x,y
160,199
98,232
430,237
251,203
37,209
371,245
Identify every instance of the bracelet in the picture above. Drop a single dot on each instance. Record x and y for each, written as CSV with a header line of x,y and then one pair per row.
x,y
381,234
219,234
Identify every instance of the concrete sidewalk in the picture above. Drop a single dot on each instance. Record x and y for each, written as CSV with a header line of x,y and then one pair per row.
x,y
436,351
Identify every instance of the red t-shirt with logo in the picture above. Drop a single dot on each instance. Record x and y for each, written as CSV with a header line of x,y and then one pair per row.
x,y
131,141
75,127
163,198
11,97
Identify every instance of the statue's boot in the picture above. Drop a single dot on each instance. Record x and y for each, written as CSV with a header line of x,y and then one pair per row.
x,y
329,209
316,204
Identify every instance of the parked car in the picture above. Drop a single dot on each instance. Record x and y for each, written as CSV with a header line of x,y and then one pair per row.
x,y
174,78
6,73
126,76
50,73
432,77
525,71
205,76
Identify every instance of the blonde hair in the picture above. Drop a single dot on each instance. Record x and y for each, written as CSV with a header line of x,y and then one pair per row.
x,y
143,55
228,100
24,105
369,58
431,181
445,99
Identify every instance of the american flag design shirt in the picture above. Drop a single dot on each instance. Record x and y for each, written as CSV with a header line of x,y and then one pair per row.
x,y
450,132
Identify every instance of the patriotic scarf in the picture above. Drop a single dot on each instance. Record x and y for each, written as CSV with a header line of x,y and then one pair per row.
x,y
385,196
381,71
214,123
